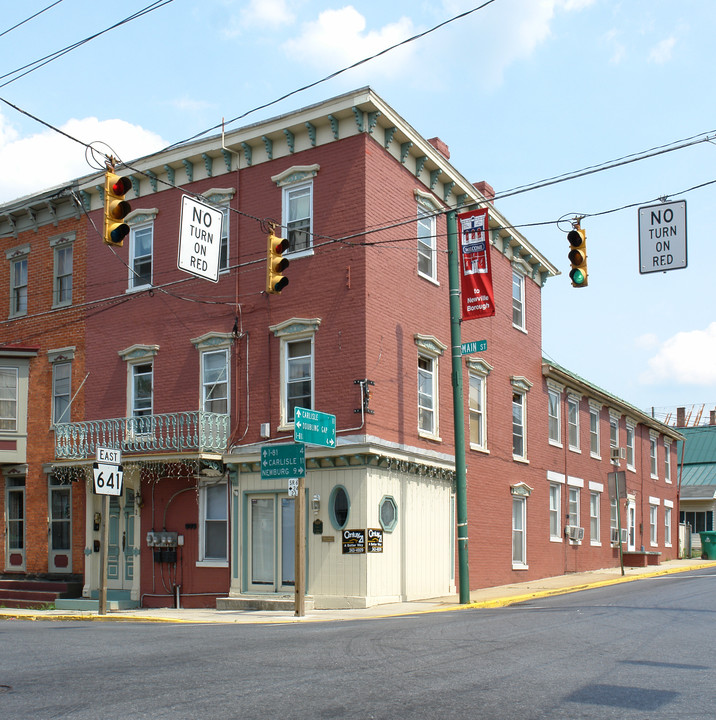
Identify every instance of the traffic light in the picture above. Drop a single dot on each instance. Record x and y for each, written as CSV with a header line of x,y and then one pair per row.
x,y
578,256
276,264
116,208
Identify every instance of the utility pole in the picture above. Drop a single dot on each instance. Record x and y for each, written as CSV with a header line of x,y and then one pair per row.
x,y
458,409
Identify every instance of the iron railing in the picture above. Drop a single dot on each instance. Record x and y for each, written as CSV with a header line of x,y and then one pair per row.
x,y
173,432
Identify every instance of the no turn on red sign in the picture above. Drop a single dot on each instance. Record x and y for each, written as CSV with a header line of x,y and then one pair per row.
x,y
199,238
662,237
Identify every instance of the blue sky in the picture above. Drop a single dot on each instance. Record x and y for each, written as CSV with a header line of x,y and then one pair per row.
x,y
521,90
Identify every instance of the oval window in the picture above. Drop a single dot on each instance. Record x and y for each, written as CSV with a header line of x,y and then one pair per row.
x,y
388,513
339,507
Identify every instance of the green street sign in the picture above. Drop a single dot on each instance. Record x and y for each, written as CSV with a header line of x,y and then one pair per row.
x,y
473,347
314,427
283,461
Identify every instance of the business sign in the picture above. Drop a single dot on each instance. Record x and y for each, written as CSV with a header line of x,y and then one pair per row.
x,y
314,427
478,297
662,237
353,542
283,461
199,238
375,540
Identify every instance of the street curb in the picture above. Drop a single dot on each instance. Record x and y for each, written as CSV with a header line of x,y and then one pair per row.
x,y
504,601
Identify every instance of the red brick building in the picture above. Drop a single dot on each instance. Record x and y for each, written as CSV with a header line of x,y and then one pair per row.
x,y
190,379
42,356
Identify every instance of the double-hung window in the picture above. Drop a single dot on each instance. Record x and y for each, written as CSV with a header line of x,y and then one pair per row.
x,y
426,244
667,461
518,300
214,532
61,385
594,536
8,398
296,185
555,510
18,289
594,433
478,371
520,387
297,352
62,274
630,456
667,523
519,532
573,422
215,381
141,240
429,351
573,506
653,521
652,455
554,415
142,389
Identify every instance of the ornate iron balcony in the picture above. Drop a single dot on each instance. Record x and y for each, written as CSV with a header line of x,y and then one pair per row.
x,y
173,432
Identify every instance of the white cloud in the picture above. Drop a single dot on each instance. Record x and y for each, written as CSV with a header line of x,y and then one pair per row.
x,y
338,38
662,52
687,358
260,14
46,159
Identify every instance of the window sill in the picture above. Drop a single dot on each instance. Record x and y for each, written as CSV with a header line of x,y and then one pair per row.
x,y
430,279
555,443
291,256
429,436
212,563
596,457
520,566
575,450
521,329
138,288
479,448
554,539
595,543
519,459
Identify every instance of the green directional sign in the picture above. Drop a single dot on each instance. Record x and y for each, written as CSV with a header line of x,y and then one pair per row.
x,y
283,461
314,427
473,347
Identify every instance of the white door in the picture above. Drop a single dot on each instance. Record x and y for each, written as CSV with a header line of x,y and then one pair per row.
x,y
631,526
271,543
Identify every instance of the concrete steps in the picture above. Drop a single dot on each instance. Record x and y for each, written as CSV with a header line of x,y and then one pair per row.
x,y
36,593
261,602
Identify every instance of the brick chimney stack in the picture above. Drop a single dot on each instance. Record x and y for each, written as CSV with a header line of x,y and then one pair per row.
x,y
440,146
680,417
486,189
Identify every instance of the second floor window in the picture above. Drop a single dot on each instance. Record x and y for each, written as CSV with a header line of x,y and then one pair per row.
x,y
518,425
215,382
140,256
8,399
426,395
553,413
573,422
426,244
594,431
299,386
518,300
142,389
61,383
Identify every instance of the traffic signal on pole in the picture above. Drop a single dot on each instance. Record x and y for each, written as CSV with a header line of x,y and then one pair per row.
x,y
276,264
116,208
578,256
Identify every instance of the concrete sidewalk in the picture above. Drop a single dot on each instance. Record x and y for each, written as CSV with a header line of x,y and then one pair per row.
x,y
484,598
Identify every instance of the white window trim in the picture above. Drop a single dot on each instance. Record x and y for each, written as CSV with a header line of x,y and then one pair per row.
x,y
430,348
592,494
653,526
552,389
296,178
214,342
595,410
578,488
139,220
60,356
15,255
668,523
654,459
630,426
479,368
214,562
290,331
667,461
523,291
519,494
61,242
137,355
574,401
426,209
520,386
559,537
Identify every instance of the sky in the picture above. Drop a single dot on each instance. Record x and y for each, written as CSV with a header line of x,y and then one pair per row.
x,y
520,90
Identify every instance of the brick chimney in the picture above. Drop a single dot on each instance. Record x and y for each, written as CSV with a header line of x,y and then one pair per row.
x,y
486,189
680,417
712,417
440,146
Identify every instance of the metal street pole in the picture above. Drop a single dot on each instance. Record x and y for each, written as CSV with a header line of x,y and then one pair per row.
x,y
458,409
300,549
104,557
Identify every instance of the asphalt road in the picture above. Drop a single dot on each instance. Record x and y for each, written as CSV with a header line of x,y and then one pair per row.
x,y
644,649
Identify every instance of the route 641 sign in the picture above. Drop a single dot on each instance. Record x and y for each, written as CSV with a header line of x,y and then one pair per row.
x,y
107,479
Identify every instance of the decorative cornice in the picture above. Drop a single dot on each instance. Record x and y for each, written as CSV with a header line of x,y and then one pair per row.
x,y
213,341
296,326
138,352
430,344
141,215
295,174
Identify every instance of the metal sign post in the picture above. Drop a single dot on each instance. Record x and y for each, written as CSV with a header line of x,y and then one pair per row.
x,y
300,550
108,478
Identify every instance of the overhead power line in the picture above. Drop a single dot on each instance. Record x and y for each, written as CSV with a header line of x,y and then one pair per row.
x,y
36,64
39,12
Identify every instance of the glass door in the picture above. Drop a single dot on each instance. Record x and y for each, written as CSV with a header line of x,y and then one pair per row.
x,y
60,530
120,548
631,526
271,543
15,524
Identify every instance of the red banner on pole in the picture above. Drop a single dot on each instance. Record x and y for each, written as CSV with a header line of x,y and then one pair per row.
x,y
478,297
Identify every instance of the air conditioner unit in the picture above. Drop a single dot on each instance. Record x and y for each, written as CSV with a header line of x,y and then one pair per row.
x,y
615,536
617,453
625,535
574,533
